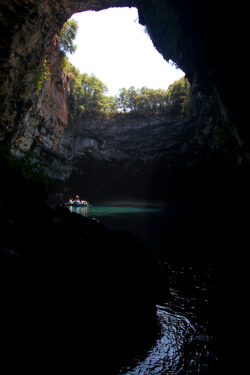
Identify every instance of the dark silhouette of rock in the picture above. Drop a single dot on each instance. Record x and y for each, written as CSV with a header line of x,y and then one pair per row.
x,y
72,290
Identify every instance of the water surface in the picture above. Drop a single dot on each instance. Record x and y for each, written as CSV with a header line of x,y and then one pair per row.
x,y
185,345
148,223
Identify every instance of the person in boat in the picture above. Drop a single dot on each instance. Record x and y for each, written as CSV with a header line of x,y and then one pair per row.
x,y
77,199
70,200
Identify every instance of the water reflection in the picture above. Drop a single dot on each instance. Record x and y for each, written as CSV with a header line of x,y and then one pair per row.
x,y
100,211
181,349
147,223
185,345
79,210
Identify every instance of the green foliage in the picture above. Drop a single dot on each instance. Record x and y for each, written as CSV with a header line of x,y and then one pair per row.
x,y
63,62
174,100
88,94
67,36
178,97
40,73
25,166
88,97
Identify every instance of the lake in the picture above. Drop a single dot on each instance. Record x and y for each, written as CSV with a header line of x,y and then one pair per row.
x,y
185,345
151,224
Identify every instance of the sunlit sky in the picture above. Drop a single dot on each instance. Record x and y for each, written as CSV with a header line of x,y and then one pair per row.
x,y
113,46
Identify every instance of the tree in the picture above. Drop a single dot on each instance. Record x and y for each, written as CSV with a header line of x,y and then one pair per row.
x,y
94,99
67,37
87,94
111,104
88,97
132,98
142,100
178,97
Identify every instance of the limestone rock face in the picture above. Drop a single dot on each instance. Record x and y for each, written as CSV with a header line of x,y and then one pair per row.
x,y
28,30
196,37
134,157
130,139
47,116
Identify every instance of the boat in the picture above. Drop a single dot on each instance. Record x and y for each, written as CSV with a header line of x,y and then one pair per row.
x,y
77,204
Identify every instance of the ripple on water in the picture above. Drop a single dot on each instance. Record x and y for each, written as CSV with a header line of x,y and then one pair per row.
x,y
179,349
184,345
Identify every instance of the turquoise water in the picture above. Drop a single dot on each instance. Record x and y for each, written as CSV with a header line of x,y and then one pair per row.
x,y
148,223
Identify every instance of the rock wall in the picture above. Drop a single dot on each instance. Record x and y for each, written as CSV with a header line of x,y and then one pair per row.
x,y
28,30
196,36
46,117
129,157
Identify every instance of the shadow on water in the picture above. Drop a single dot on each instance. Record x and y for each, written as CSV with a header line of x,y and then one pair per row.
x,y
151,224
185,343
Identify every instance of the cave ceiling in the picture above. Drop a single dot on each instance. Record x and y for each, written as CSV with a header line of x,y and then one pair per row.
x,y
198,36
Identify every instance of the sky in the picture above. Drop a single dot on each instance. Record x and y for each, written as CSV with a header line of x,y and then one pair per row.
x,y
113,46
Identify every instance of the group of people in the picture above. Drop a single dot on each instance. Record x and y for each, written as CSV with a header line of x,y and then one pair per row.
x,y
77,200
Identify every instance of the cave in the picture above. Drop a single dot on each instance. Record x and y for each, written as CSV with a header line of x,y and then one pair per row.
x,y
43,274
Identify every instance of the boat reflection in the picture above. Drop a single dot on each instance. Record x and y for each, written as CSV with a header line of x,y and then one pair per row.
x,y
79,210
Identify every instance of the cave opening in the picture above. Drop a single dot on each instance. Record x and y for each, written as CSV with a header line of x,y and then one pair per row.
x,y
112,43
113,46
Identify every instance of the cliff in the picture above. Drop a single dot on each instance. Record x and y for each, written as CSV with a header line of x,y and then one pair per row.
x,y
46,115
136,157
181,31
